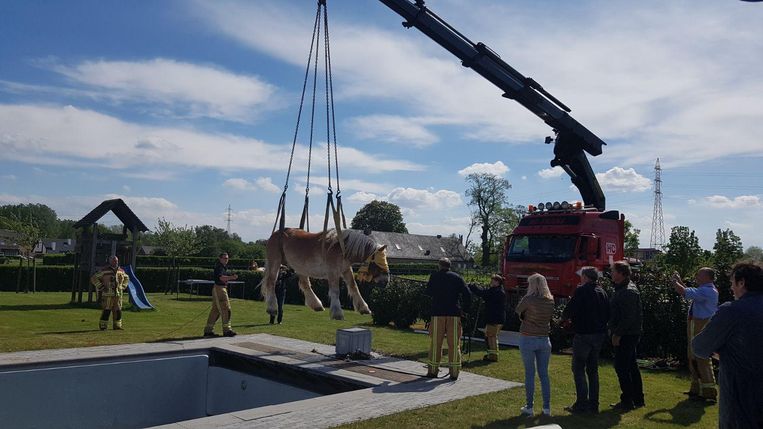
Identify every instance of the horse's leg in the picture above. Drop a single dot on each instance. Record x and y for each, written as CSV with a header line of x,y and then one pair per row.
x,y
358,303
336,305
268,288
311,300
272,265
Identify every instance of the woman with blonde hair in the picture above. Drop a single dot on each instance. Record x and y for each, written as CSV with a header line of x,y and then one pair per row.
x,y
535,310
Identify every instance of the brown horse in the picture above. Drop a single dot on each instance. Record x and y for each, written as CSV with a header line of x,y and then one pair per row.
x,y
319,255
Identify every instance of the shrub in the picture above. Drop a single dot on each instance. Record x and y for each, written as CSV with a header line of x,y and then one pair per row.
x,y
401,302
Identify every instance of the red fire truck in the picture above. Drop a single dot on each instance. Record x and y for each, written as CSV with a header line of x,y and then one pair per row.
x,y
556,240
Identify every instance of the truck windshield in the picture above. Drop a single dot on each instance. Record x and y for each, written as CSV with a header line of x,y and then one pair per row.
x,y
542,248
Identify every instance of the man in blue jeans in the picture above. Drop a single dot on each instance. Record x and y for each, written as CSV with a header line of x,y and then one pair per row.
x,y
589,311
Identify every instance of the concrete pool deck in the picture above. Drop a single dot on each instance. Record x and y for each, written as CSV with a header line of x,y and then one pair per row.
x,y
388,385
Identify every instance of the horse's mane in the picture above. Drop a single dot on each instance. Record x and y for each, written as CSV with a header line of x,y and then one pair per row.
x,y
357,246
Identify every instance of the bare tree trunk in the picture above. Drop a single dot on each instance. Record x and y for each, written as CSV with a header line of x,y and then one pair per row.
x,y
485,246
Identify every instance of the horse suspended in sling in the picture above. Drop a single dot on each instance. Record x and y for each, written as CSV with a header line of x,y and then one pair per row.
x,y
319,255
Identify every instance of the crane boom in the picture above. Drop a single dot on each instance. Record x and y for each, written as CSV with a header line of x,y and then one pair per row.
x,y
571,138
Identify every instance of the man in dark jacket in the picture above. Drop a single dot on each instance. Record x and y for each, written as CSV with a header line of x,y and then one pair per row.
x,y
735,333
280,289
495,314
589,311
625,328
446,287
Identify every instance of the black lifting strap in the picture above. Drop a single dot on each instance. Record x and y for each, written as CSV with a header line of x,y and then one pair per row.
x,y
335,210
280,220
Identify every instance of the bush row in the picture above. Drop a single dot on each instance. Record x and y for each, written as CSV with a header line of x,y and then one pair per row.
x,y
159,261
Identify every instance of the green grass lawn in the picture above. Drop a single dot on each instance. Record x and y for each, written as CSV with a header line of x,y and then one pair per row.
x,y
47,321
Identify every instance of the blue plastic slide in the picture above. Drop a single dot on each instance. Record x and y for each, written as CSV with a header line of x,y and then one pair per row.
x,y
137,294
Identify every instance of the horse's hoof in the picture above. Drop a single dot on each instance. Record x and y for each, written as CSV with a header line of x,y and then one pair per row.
x,y
318,308
338,317
365,311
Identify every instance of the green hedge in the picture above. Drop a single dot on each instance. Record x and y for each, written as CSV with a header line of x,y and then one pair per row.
x,y
52,278
159,261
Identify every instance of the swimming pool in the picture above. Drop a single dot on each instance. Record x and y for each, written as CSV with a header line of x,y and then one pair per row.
x,y
140,391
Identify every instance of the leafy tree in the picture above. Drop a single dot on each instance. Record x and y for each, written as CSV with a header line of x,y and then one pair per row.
x,y
65,229
728,250
41,216
379,216
683,251
631,239
754,253
212,240
176,240
487,195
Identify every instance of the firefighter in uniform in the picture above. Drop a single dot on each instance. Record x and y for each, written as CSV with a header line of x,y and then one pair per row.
x,y
445,287
110,282
220,301
495,314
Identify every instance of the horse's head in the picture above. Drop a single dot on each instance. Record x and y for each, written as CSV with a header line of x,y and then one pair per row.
x,y
375,268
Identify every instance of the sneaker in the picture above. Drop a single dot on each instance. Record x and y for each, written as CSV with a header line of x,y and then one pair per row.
x,y
431,374
210,335
229,334
119,328
527,411
547,412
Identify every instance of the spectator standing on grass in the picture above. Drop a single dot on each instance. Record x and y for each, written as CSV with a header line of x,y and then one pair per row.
x,y
535,310
280,289
625,329
589,311
446,287
735,333
220,302
495,314
110,282
704,304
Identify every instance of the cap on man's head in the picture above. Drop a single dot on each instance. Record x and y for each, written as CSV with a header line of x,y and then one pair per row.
x,y
444,262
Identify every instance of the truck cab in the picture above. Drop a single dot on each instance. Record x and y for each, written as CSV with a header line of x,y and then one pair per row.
x,y
556,240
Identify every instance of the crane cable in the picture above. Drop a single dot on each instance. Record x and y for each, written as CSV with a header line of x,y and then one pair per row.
x,y
335,210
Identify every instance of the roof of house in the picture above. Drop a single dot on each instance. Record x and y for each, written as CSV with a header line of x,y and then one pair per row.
x,y
421,247
119,208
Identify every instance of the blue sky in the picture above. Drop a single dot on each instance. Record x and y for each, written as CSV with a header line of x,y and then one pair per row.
x,y
182,108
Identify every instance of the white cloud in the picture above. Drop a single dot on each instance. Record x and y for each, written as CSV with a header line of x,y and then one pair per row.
x,y
497,168
524,177
348,183
364,197
551,173
266,184
188,89
75,137
8,177
610,82
263,183
392,129
423,198
411,198
723,202
146,204
239,184
620,179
